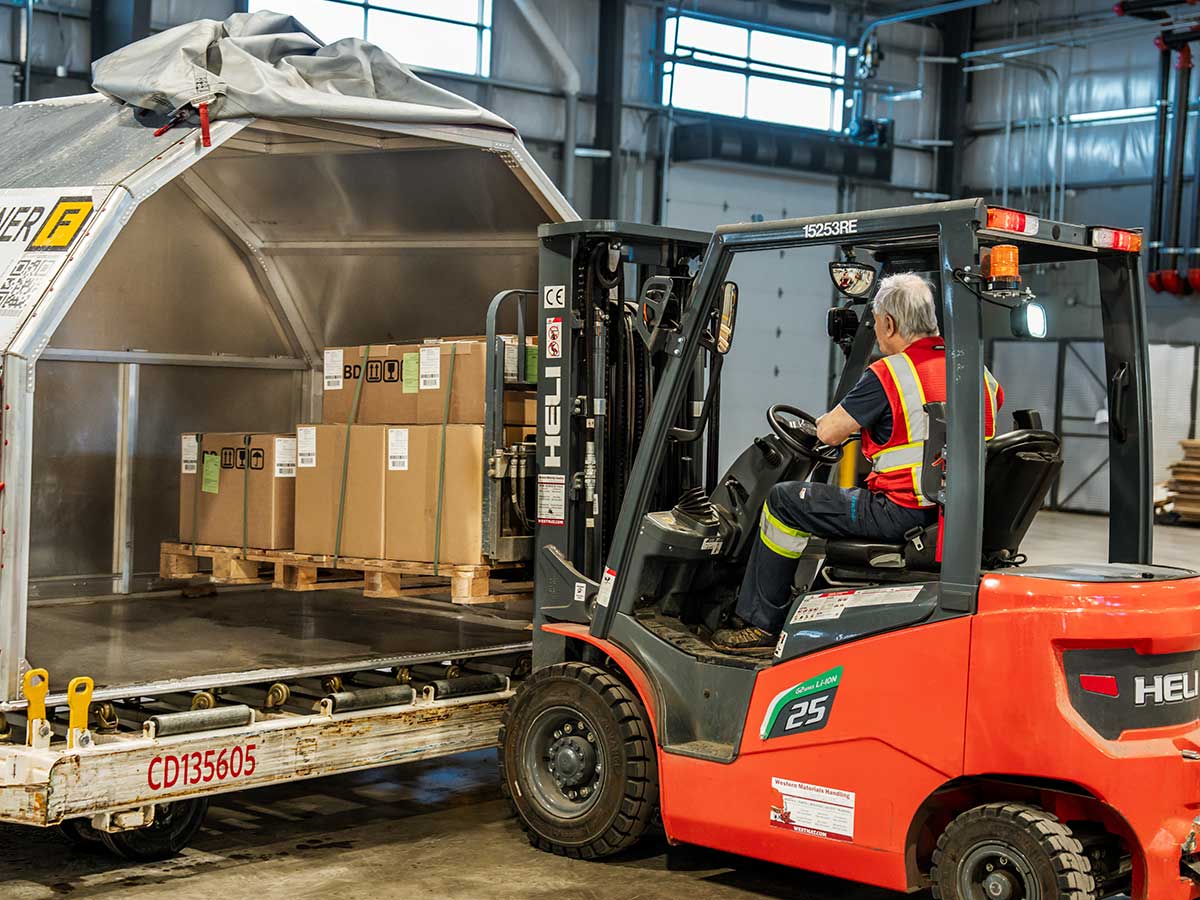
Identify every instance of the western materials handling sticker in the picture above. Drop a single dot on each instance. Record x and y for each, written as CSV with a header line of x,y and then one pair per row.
x,y
831,604
813,809
38,229
551,499
805,707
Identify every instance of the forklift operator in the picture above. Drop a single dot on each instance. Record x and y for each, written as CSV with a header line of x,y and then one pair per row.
x,y
887,407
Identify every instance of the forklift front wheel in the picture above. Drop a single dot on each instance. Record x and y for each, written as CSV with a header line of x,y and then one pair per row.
x,y
174,825
1010,851
577,761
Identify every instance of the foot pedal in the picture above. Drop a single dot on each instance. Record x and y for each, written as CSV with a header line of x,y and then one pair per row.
x,y
36,686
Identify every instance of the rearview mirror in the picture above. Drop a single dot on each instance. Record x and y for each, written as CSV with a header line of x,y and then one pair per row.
x,y
853,279
729,301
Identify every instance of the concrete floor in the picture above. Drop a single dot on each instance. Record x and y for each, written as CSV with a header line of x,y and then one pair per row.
x,y
429,831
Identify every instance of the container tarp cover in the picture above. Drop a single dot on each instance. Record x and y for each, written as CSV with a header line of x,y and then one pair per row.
x,y
267,64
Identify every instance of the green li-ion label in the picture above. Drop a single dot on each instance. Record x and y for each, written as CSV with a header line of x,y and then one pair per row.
x,y
410,372
805,707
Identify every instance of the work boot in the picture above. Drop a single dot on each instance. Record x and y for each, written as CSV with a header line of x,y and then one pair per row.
x,y
742,637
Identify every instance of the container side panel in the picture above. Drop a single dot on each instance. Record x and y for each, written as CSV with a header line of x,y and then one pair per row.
x,y
173,282
74,447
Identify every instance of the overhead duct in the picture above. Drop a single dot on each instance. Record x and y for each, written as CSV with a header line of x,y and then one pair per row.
x,y
784,148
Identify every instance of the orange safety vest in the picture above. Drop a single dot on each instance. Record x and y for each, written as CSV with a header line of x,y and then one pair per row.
x,y
910,379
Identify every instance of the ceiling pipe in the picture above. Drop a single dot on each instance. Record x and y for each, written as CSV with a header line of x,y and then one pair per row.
x,y
923,12
570,84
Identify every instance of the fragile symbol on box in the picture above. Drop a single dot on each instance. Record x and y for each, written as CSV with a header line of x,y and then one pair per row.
x,y
552,499
554,338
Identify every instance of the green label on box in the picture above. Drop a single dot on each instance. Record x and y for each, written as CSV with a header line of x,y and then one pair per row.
x,y
531,360
210,478
410,372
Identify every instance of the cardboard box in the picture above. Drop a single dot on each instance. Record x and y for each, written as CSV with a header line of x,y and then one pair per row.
x,y
468,391
411,492
217,471
389,389
321,451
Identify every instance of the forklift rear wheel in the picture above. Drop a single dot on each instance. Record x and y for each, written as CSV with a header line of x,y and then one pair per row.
x,y
175,824
577,761
1010,851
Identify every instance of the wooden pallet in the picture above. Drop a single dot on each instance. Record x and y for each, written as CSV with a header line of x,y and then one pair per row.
x,y
315,572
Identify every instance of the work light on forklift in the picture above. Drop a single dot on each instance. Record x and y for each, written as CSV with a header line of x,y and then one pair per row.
x,y
1115,239
1001,219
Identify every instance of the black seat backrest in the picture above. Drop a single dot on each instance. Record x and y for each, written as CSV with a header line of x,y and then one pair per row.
x,y
1021,466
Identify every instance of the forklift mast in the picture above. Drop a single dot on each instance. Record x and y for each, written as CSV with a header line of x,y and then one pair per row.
x,y
601,355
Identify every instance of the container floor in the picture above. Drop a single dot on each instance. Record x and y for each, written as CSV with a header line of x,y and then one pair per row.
x,y
243,636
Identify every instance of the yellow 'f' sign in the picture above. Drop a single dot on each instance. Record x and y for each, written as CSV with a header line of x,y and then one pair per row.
x,y
63,224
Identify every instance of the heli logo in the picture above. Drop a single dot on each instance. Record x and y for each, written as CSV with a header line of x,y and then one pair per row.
x,y
1171,688
552,422
63,224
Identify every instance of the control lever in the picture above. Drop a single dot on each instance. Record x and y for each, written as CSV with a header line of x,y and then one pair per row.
x,y
771,455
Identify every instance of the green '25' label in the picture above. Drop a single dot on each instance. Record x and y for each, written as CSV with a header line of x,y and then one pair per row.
x,y
805,707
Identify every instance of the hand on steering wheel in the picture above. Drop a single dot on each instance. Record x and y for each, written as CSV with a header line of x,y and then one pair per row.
x,y
792,426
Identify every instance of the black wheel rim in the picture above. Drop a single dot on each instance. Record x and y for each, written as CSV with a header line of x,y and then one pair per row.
x,y
996,871
564,762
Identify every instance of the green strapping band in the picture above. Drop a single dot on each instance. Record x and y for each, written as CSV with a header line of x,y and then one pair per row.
x,y
437,526
196,489
245,490
337,541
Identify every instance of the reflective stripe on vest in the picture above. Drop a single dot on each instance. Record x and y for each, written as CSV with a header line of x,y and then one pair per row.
x,y
782,539
912,395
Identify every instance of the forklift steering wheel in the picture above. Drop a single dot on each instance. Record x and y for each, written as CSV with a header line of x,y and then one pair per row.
x,y
798,432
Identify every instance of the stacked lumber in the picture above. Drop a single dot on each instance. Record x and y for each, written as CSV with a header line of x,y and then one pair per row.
x,y
1184,485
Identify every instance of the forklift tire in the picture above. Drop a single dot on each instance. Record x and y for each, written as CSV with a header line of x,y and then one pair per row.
x,y
175,824
578,762
1010,850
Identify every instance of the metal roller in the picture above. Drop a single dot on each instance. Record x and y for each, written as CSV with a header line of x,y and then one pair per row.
x,y
200,720
465,686
369,698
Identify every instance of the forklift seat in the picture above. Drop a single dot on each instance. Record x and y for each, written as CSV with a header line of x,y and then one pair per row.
x,y
1020,467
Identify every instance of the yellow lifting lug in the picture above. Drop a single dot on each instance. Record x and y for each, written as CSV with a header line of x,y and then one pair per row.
x,y
79,700
35,686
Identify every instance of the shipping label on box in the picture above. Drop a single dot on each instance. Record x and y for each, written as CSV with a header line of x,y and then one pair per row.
x,y
306,447
191,454
431,368
397,449
334,365
285,457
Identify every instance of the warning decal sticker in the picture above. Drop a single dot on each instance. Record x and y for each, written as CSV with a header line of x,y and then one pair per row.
x,y
812,809
831,604
38,229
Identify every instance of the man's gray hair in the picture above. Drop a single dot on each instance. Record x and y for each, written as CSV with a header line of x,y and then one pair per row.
x,y
907,298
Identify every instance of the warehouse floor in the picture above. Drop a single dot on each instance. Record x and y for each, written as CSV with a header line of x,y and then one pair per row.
x,y
441,829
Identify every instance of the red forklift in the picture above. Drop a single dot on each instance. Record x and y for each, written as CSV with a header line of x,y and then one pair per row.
x,y
935,714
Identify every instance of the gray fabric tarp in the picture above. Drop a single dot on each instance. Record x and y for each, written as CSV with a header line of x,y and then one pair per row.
x,y
267,64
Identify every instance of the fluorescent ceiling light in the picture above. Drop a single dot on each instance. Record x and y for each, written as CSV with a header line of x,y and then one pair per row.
x,y
1106,115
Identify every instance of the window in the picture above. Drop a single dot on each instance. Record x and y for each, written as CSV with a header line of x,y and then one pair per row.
x,y
453,35
753,73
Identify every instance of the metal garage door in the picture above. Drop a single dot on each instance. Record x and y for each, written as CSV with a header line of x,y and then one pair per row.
x,y
781,352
